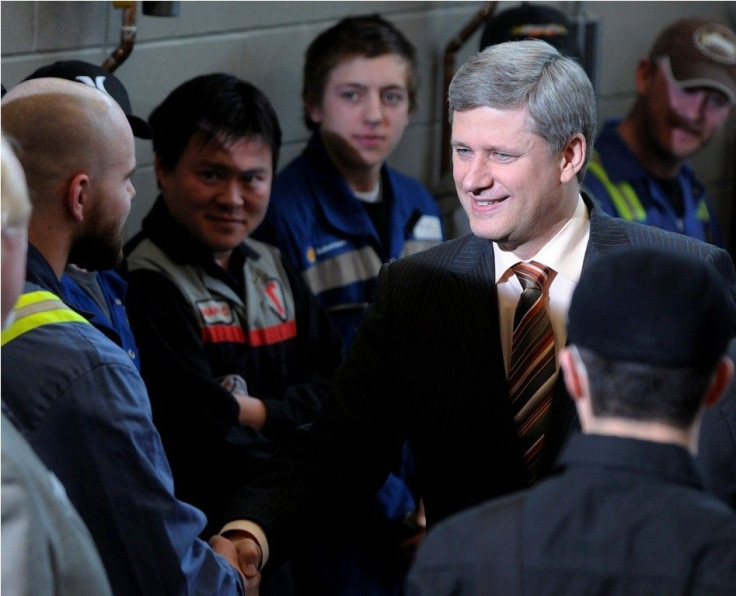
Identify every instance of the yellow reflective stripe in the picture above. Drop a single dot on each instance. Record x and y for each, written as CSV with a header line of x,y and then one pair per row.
x,y
623,196
702,213
33,299
633,200
36,309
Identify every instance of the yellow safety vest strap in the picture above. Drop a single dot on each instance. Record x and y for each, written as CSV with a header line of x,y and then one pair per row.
x,y
624,198
35,309
702,213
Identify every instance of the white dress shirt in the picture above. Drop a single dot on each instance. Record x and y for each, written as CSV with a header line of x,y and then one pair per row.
x,y
564,255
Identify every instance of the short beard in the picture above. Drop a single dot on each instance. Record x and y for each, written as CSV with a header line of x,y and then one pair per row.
x,y
96,252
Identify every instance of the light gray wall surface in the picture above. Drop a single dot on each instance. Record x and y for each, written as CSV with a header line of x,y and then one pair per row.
x,y
264,42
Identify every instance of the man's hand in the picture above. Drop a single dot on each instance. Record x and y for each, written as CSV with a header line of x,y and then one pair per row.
x,y
409,546
224,547
244,553
252,410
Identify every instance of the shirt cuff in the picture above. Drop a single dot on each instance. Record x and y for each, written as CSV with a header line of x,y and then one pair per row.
x,y
255,531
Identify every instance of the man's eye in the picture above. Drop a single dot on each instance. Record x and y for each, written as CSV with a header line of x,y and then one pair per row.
x,y
718,100
394,97
209,175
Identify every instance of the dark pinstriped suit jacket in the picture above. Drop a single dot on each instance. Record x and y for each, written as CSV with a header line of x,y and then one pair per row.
x,y
427,365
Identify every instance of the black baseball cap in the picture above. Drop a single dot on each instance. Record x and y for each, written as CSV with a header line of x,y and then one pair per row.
x,y
531,20
98,77
652,306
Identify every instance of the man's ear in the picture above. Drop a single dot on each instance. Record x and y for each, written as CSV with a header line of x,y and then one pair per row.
x,y
572,372
78,197
573,157
157,167
721,381
643,75
313,111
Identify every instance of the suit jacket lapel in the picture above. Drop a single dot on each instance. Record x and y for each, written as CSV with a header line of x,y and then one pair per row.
x,y
472,289
472,286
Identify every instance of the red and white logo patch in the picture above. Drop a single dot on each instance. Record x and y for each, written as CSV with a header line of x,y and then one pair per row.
x,y
275,298
215,312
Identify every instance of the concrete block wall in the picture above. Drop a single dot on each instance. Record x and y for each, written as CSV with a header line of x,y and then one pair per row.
x,y
264,42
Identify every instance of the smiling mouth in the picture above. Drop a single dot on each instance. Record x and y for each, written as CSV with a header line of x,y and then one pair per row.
x,y
227,221
489,202
369,139
688,128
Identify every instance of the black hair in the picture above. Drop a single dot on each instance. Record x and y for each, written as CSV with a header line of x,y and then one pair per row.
x,y
213,105
645,392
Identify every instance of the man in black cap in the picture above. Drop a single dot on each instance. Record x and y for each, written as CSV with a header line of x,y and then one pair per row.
x,y
98,77
686,91
99,294
625,510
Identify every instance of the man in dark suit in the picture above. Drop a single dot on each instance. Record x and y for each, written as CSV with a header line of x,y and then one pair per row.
x,y
429,364
626,510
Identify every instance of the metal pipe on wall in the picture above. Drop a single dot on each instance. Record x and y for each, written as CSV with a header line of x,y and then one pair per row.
x,y
129,27
128,31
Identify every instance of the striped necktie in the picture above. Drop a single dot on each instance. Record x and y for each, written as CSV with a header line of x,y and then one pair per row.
x,y
532,366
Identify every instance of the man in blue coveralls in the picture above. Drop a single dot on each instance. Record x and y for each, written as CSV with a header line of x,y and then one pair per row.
x,y
686,92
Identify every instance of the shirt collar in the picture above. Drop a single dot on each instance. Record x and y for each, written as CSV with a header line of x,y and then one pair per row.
x,y
564,253
667,461
178,243
38,271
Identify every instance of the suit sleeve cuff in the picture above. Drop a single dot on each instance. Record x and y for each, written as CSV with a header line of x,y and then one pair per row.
x,y
256,533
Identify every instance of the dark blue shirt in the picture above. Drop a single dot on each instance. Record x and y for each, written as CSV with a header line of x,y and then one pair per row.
x,y
107,310
698,218
81,403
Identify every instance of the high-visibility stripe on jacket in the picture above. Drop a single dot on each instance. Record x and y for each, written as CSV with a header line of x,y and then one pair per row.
x,y
624,197
622,187
35,309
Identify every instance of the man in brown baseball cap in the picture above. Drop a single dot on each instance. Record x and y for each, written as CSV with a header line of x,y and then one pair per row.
x,y
686,90
700,53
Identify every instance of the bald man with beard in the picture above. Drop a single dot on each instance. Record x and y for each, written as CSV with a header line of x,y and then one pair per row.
x,y
46,548
72,391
